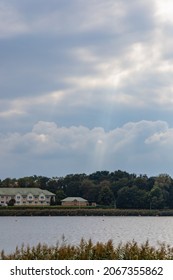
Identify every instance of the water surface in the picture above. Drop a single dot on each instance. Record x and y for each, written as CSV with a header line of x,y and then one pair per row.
x,y
31,230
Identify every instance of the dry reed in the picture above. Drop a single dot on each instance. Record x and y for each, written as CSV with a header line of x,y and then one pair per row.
x,y
87,250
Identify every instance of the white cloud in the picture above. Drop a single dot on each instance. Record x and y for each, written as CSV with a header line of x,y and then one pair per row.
x,y
162,138
22,106
9,113
121,75
129,147
164,10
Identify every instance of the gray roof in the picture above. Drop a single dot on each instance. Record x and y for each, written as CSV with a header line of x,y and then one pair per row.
x,y
70,199
24,191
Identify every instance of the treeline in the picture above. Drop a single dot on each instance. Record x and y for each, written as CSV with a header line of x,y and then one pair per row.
x,y
117,189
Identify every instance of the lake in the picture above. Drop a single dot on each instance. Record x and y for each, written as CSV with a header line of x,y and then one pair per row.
x,y
31,230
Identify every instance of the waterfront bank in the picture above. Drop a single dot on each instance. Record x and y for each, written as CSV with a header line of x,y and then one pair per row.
x,y
57,211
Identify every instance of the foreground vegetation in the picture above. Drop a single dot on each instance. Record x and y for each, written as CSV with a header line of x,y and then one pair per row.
x,y
86,250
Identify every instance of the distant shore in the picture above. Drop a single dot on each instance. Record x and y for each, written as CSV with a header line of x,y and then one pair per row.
x,y
60,211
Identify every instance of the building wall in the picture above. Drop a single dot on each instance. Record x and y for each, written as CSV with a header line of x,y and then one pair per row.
x,y
74,203
26,200
5,199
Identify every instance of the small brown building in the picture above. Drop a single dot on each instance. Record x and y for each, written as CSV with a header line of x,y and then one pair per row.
x,y
74,201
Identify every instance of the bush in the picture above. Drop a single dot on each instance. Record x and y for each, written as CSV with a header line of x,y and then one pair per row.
x,y
86,250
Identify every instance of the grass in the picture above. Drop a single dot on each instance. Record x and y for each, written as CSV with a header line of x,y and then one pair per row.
x,y
61,211
87,250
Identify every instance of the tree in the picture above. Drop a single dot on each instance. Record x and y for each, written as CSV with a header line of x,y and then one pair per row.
x,y
27,182
89,190
52,201
42,181
99,176
8,183
59,196
163,180
170,198
142,182
119,184
106,196
156,198
11,202
160,193
132,198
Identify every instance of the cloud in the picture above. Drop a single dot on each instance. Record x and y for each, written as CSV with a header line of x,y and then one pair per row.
x,y
24,104
61,18
137,147
164,11
127,63
92,71
11,21
134,78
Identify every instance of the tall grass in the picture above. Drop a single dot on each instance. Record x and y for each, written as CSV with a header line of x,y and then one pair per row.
x,y
60,211
87,250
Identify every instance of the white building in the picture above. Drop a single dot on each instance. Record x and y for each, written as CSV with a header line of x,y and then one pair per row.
x,y
26,196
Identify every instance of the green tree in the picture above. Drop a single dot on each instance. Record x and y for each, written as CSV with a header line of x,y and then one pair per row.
x,y
170,197
11,202
156,198
89,190
59,196
106,196
132,198
8,183
99,176
160,193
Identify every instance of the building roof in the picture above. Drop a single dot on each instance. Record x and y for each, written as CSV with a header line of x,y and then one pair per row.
x,y
70,199
24,191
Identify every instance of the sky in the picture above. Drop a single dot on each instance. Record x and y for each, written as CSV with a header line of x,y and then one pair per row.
x,y
85,86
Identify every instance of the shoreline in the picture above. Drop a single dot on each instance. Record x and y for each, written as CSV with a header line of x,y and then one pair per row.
x,y
57,211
